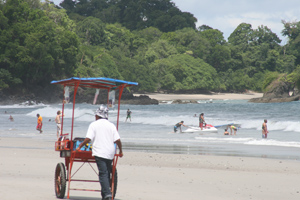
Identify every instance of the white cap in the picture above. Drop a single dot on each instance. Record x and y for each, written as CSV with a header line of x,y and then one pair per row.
x,y
102,111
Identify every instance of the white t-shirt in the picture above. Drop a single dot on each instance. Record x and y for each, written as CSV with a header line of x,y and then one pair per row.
x,y
103,134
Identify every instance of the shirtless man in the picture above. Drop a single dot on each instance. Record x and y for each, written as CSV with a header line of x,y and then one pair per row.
x,y
178,125
58,123
265,129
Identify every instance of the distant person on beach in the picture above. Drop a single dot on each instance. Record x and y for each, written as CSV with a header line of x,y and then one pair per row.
x,y
232,128
39,123
11,118
128,115
58,123
265,129
178,125
201,120
104,135
226,132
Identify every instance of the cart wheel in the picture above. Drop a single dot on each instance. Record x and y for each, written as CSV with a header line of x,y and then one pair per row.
x,y
60,180
115,183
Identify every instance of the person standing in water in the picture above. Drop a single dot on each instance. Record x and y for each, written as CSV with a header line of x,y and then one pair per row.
x,y
128,115
58,123
39,123
265,129
232,127
201,120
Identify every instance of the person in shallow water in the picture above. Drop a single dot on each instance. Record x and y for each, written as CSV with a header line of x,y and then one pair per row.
x,y
128,115
232,128
178,125
265,129
201,120
39,123
226,132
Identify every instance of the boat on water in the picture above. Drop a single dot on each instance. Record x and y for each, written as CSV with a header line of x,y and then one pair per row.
x,y
206,129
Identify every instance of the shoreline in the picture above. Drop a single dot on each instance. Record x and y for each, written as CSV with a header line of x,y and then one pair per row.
x,y
28,167
213,96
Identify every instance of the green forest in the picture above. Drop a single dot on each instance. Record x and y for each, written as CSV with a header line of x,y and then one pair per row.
x,y
151,42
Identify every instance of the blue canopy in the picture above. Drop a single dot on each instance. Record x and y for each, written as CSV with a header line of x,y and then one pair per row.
x,y
96,82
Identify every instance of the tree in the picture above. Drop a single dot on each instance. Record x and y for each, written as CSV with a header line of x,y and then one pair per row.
x,y
159,50
219,57
241,36
204,28
92,31
189,73
189,39
219,53
134,15
264,35
35,44
150,34
214,36
292,30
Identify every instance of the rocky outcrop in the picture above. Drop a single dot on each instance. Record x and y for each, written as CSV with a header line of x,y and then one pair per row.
x,y
277,89
140,100
275,100
277,92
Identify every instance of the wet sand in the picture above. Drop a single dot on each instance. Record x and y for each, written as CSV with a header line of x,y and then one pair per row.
x,y
28,165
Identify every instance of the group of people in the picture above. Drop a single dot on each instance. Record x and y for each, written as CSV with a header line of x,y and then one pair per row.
x,y
264,129
58,121
231,127
201,123
39,122
103,135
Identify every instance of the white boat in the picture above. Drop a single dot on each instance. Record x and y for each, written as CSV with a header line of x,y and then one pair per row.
x,y
206,129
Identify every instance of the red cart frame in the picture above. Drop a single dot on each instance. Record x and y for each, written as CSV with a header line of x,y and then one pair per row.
x,y
65,147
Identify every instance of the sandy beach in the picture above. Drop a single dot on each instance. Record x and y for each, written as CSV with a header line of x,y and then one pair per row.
x,y
213,96
28,165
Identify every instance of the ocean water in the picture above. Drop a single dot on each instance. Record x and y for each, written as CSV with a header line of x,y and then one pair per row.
x,y
151,127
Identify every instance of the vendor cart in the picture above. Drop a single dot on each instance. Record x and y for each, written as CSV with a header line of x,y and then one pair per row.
x,y
66,144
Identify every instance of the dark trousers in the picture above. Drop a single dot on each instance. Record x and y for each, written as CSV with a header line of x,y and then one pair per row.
x,y
105,168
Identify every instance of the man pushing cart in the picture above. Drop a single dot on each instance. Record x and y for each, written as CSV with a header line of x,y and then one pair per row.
x,y
101,136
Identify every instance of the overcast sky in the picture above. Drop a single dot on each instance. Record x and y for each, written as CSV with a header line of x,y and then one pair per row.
x,y
226,15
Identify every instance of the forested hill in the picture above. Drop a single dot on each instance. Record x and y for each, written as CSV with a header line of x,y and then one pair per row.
x,y
150,42
134,15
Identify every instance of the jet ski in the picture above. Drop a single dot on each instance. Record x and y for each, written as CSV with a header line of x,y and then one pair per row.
x,y
208,128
